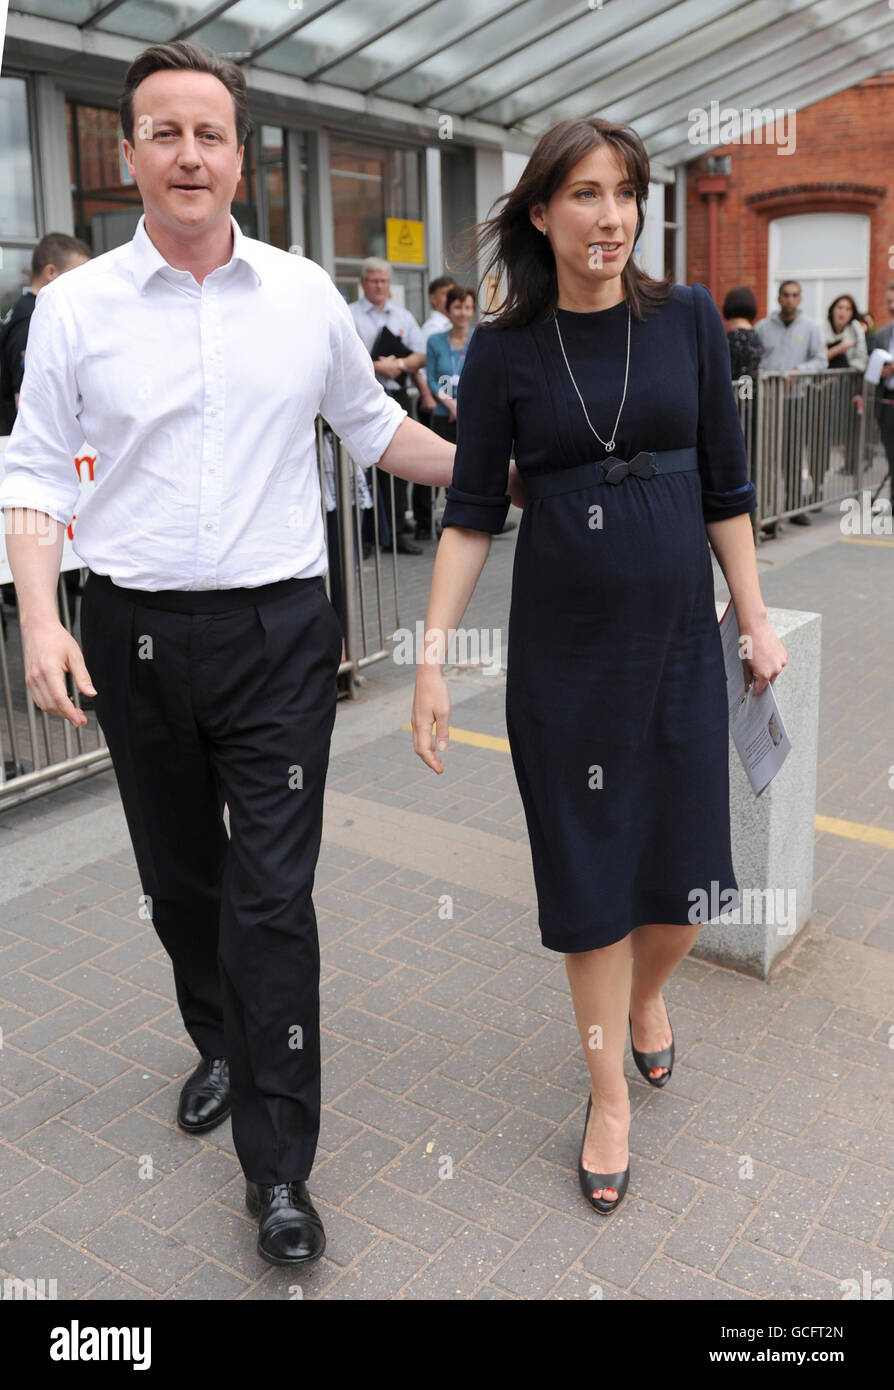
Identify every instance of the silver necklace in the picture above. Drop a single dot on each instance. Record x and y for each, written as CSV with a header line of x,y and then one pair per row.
x,y
610,445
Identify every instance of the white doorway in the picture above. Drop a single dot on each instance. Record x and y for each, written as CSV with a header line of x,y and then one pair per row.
x,y
826,252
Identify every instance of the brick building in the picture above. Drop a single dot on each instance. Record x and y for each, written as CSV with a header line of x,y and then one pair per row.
x,y
822,214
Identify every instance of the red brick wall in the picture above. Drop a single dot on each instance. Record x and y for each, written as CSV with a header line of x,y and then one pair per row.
x,y
843,162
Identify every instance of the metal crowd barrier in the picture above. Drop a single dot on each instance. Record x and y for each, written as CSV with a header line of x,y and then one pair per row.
x,y
40,752
812,439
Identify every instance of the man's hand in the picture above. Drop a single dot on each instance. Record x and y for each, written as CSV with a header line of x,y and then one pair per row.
x,y
50,651
388,366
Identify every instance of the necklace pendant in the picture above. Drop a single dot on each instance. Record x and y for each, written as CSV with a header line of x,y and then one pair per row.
x,y
610,447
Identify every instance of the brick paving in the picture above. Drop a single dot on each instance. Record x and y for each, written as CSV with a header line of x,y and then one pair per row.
x,y
454,1089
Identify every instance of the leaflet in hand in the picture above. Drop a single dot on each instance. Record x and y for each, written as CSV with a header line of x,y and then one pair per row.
x,y
754,720
877,359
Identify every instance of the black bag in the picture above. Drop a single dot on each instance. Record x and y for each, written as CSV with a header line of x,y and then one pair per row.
x,y
388,344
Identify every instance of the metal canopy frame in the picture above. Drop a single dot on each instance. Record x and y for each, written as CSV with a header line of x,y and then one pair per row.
x,y
510,69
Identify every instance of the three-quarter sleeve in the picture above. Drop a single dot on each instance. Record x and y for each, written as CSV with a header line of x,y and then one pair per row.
x,y
354,402
39,465
722,461
477,497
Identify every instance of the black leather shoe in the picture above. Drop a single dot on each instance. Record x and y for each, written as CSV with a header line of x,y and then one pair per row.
x,y
405,547
205,1098
290,1231
647,1062
593,1183
801,519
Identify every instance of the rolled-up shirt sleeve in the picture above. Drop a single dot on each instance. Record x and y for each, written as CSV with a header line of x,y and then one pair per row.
x,y
722,461
477,496
354,403
38,467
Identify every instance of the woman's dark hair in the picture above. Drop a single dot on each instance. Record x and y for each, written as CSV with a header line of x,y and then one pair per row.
x,y
849,298
460,292
516,249
159,57
740,303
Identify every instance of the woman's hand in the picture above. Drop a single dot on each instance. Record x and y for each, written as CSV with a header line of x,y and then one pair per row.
x,y
516,486
768,655
431,705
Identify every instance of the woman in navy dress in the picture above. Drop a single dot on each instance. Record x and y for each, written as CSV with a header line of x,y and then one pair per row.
x,y
613,393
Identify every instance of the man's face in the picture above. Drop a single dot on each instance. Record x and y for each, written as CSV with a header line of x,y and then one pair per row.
x,y
377,287
439,298
184,158
789,299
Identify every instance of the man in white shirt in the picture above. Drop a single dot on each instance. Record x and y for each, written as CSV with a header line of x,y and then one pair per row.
x,y
792,342
194,360
372,312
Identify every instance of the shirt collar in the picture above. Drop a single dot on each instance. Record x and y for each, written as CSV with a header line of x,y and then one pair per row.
x,y
148,260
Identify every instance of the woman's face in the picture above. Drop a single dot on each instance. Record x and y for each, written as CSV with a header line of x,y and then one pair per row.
x,y
591,218
461,312
841,314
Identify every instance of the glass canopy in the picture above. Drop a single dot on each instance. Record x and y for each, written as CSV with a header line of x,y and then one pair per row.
x,y
522,65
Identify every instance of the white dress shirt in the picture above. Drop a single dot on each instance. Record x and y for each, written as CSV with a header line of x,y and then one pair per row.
x,y
435,323
200,402
369,320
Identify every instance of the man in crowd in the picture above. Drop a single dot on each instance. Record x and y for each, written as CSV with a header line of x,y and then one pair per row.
x,y
53,255
372,313
884,403
793,343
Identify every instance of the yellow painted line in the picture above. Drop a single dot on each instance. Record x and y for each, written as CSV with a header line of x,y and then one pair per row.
x,y
853,830
498,745
864,540
832,825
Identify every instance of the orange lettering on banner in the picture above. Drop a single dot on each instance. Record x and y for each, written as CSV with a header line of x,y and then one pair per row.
x,y
90,460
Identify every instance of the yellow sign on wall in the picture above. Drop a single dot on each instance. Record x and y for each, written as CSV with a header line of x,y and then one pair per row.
x,y
405,240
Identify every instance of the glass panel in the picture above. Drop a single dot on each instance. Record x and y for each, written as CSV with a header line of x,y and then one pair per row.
x,y
670,248
274,194
18,216
411,44
246,25
370,183
15,274
73,11
106,203
152,20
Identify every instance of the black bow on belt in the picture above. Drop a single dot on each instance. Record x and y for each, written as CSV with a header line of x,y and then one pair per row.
x,y
643,466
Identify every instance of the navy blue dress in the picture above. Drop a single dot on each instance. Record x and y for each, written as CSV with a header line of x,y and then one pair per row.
x,y
616,705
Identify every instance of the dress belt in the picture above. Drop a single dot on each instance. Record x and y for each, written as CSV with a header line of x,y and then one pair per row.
x,y
610,470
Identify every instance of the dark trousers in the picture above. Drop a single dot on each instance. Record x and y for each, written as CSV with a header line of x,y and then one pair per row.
x,y
884,413
215,696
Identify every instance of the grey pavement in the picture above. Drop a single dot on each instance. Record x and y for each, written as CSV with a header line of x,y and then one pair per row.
x,y
454,1089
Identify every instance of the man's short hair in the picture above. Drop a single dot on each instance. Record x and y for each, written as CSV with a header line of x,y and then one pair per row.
x,y
160,57
374,263
441,282
57,248
790,282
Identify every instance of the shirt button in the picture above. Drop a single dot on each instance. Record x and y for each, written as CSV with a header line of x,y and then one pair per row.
x,y
212,412
209,525
211,468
